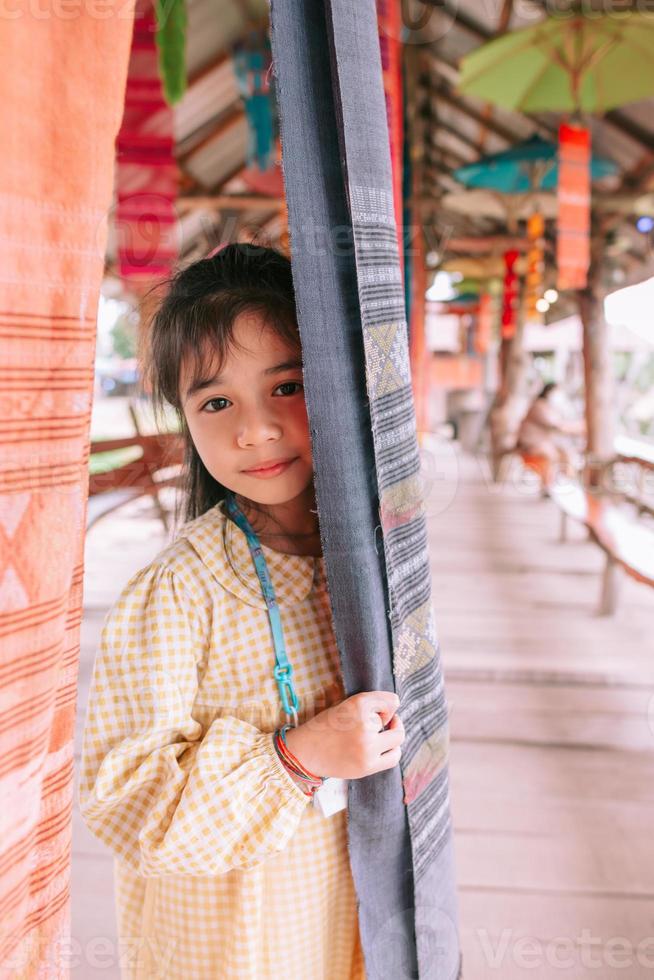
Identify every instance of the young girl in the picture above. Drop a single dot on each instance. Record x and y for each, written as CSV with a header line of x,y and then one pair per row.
x,y
227,864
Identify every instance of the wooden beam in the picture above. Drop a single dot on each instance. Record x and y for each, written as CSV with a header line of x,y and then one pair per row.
x,y
630,128
443,176
465,21
207,68
445,154
480,245
230,118
442,94
238,169
235,202
446,127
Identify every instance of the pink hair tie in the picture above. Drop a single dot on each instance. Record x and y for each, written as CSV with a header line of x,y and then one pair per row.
x,y
216,249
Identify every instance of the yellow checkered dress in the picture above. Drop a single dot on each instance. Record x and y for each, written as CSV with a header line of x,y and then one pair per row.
x,y
223,868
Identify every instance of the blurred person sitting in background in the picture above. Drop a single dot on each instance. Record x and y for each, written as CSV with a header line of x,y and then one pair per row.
x,y
545,432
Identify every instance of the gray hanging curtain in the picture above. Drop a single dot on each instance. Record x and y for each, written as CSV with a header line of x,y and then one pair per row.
x,y
346,270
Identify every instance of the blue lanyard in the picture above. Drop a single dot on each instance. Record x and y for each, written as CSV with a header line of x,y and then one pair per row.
x,y
283,670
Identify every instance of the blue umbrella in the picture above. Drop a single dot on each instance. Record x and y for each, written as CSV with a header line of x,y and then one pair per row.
x,y
528,166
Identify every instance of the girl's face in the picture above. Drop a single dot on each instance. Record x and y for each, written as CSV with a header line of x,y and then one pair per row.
x,y
252,414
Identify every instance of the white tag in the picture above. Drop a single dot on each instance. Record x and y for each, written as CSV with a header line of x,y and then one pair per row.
x,y
331,797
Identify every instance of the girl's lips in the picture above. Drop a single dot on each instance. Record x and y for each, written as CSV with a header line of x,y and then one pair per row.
x,y
271,470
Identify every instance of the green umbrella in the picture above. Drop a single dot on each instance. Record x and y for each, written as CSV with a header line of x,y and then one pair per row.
x,y
566,63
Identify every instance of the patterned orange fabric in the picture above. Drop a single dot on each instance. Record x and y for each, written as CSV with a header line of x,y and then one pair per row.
x,y
61,89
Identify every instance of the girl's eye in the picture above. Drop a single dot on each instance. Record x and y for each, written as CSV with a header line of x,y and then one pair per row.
x,y
212,401
292,384
213,405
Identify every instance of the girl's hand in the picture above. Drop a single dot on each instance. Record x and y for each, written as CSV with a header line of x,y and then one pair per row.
x,y
347,740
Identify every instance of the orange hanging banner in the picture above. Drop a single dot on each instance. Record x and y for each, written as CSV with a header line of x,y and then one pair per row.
x,y
573,234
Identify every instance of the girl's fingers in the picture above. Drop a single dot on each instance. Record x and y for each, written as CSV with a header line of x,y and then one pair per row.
x,y
393,737
389,759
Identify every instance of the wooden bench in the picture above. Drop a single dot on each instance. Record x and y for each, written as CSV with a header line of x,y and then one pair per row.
x,y
628,545
157,465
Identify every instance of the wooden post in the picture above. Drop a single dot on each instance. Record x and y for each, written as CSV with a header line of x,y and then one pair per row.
x,y
417,346
512,398
416,252
598,370
610,586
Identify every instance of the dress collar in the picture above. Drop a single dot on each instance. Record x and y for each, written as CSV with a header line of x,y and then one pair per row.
x,y
223,548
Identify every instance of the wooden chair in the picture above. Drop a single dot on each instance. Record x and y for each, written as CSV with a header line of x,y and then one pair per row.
x,y
158,465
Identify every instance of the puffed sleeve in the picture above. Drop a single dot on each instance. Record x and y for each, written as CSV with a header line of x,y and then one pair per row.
x,y
164,795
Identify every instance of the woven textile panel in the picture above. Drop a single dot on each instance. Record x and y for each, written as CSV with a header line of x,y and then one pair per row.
x,y
147,175
61,88
349,290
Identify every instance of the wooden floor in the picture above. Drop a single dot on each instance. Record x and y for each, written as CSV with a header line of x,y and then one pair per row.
x,y
552,732
552,724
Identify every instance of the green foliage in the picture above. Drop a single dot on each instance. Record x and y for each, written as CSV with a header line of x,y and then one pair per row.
x,y
111,460
124,336
171,46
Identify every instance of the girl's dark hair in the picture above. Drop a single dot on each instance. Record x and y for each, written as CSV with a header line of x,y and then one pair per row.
x,y
545,390
198,314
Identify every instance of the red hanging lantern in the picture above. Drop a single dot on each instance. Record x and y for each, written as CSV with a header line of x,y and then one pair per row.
x,y
510,299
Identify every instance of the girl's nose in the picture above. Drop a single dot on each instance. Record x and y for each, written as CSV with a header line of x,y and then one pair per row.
x,y
257,428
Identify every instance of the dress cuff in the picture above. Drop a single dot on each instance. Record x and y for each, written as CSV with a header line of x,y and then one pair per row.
x,y
284,773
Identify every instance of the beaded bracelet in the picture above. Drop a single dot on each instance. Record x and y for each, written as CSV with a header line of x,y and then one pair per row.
x,y
293,764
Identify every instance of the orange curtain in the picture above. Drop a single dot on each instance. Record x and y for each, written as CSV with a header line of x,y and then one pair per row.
x,y
62,83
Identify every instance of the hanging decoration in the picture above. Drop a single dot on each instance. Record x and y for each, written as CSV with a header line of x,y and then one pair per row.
x,y
147,176
171,44
573,239
252,61
535,266
510,300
